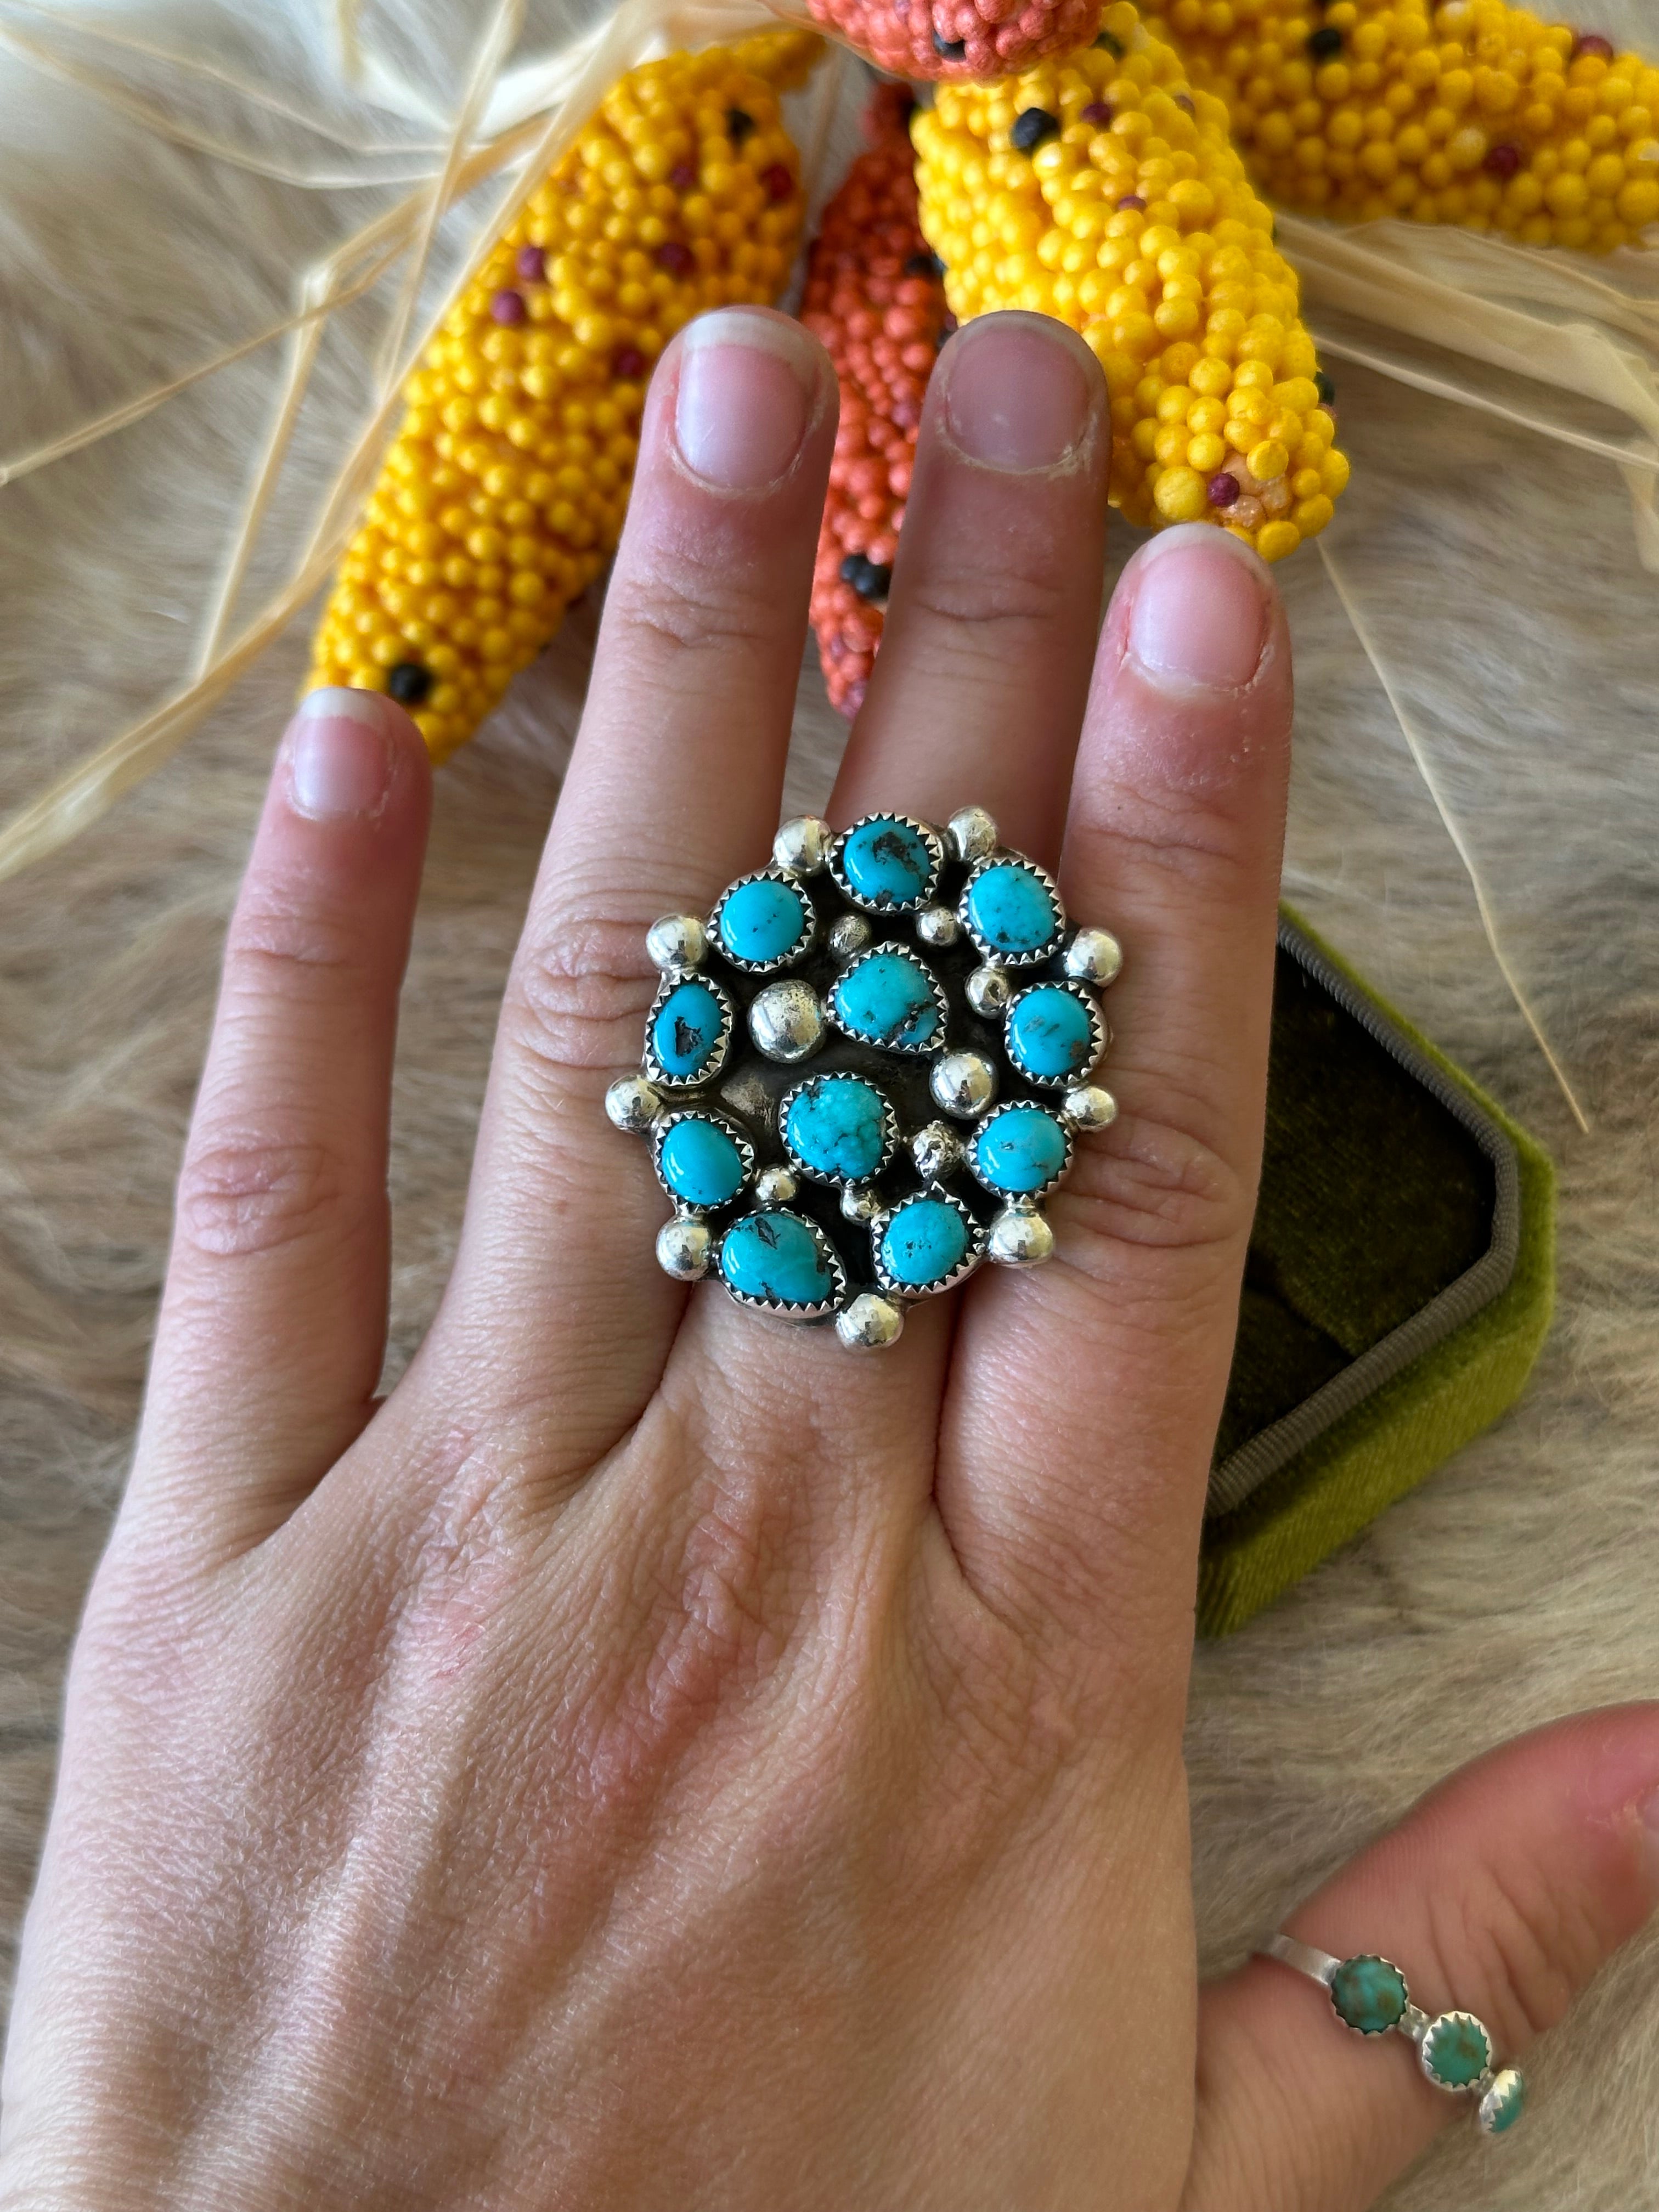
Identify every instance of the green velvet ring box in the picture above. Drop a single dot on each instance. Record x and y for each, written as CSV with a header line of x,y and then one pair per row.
x,y
1398,1288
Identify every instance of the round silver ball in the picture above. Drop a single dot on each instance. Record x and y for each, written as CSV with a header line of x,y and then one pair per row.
x,y
988,993
849,935
775,1187
937,925
1089,1107
1018,1239
869,1323
785,1020
937,1151
1094,956
802,845
679,940
684,1249
963,1084
859,1203
632,1103
973,834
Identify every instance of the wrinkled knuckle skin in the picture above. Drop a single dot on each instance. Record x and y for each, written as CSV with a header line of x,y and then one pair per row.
x,y
989,609
580,994
1156,1184
1519,1950
675,608
284,948
242,1193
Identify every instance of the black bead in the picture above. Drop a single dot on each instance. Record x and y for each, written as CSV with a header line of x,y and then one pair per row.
x,y
950,50
1324,44
868,578
1031,126
739,124
409,683
1112,46
1324,387
924,264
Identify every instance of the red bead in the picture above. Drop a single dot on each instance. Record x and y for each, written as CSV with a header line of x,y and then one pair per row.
x,y
508,307
1502,160
628,362
1222,490
778,182
676,258
1098,112
531,264
682,176
1593,43
1132,200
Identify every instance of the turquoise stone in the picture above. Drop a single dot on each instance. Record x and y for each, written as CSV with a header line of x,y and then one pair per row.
x,y
686,1032
1049,1035
700,1163
1370,1994
926,1239
1021,1149
836,1127
778,1257
887,998
764,922
1505,2102
1456,2051
887,863
1009,909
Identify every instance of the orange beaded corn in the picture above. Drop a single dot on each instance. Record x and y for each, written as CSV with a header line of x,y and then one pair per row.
x,y
874,297
1474,112
958,38
503,492
1103,190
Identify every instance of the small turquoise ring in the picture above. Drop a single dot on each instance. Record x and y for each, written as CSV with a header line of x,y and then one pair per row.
x,y
1369,1995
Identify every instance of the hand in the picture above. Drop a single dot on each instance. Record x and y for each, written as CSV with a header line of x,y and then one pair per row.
x,y
655,1759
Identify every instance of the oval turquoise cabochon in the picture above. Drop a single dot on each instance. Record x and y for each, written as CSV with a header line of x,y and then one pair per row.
x,y
1010,909
685,1033
836,1127
887,997
886,862
764,922
780,1259
924,1240
699,1162
1020,1149
1049,1034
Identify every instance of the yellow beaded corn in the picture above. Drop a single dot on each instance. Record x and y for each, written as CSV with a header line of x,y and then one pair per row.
x,y
1474,112
502,494
1101,189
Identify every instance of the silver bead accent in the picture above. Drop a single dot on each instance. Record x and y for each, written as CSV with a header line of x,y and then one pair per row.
x,y
973,834
1089,1107
679,940
859,1203
937,925
988,993
632,1103
775,1187
869,1323
849,935
785,1020
963,1084
802,845
684,1249
937,1151
1094,956
1019,1239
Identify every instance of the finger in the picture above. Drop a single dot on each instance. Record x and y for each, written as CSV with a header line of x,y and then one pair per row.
x,y
979,689
273,1321
674,787
1501,1895
1089,1517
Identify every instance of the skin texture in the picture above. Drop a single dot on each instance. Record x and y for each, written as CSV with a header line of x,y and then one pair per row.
x,y
655,1760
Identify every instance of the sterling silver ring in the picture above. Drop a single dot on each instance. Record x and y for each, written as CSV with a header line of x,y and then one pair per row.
x,y
1369,1995
866,1068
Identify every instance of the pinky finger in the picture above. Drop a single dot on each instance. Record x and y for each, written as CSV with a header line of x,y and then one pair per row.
x,y
1501,1895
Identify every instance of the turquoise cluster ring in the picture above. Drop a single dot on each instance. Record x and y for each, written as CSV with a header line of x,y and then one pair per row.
x,y
1369,1995
867,1068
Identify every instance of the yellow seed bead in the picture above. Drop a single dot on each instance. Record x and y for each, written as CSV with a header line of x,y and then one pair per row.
x,y
1207,453
1181,495
1275,539
1311,515
1334,473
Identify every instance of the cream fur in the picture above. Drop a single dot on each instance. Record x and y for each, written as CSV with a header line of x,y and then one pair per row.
x,y
1497,571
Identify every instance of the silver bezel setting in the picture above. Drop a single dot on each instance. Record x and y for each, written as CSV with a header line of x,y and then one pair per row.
x,y
924,898
1073,1078
833,1020
993,955
973,1138
774,1306
796,953
933,1192
713,1068
890,1130
1355,1958
660,1130
1478,2087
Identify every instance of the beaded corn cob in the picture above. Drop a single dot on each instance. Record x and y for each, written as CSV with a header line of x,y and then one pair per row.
x,y
875,298
1103,190
503,492
974,38
1473,113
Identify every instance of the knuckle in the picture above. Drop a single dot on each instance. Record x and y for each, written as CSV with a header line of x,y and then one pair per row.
x,y
1522,1946
1160,1181
277,949
578,994
678,605
1192,835
243,1191
991,606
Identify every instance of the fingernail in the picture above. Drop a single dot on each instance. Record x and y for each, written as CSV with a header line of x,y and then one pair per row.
x,y
340,754
747,386
1017,394
1198,618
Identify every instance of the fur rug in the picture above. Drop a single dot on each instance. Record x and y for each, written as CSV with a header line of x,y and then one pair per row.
x,y
1496,577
